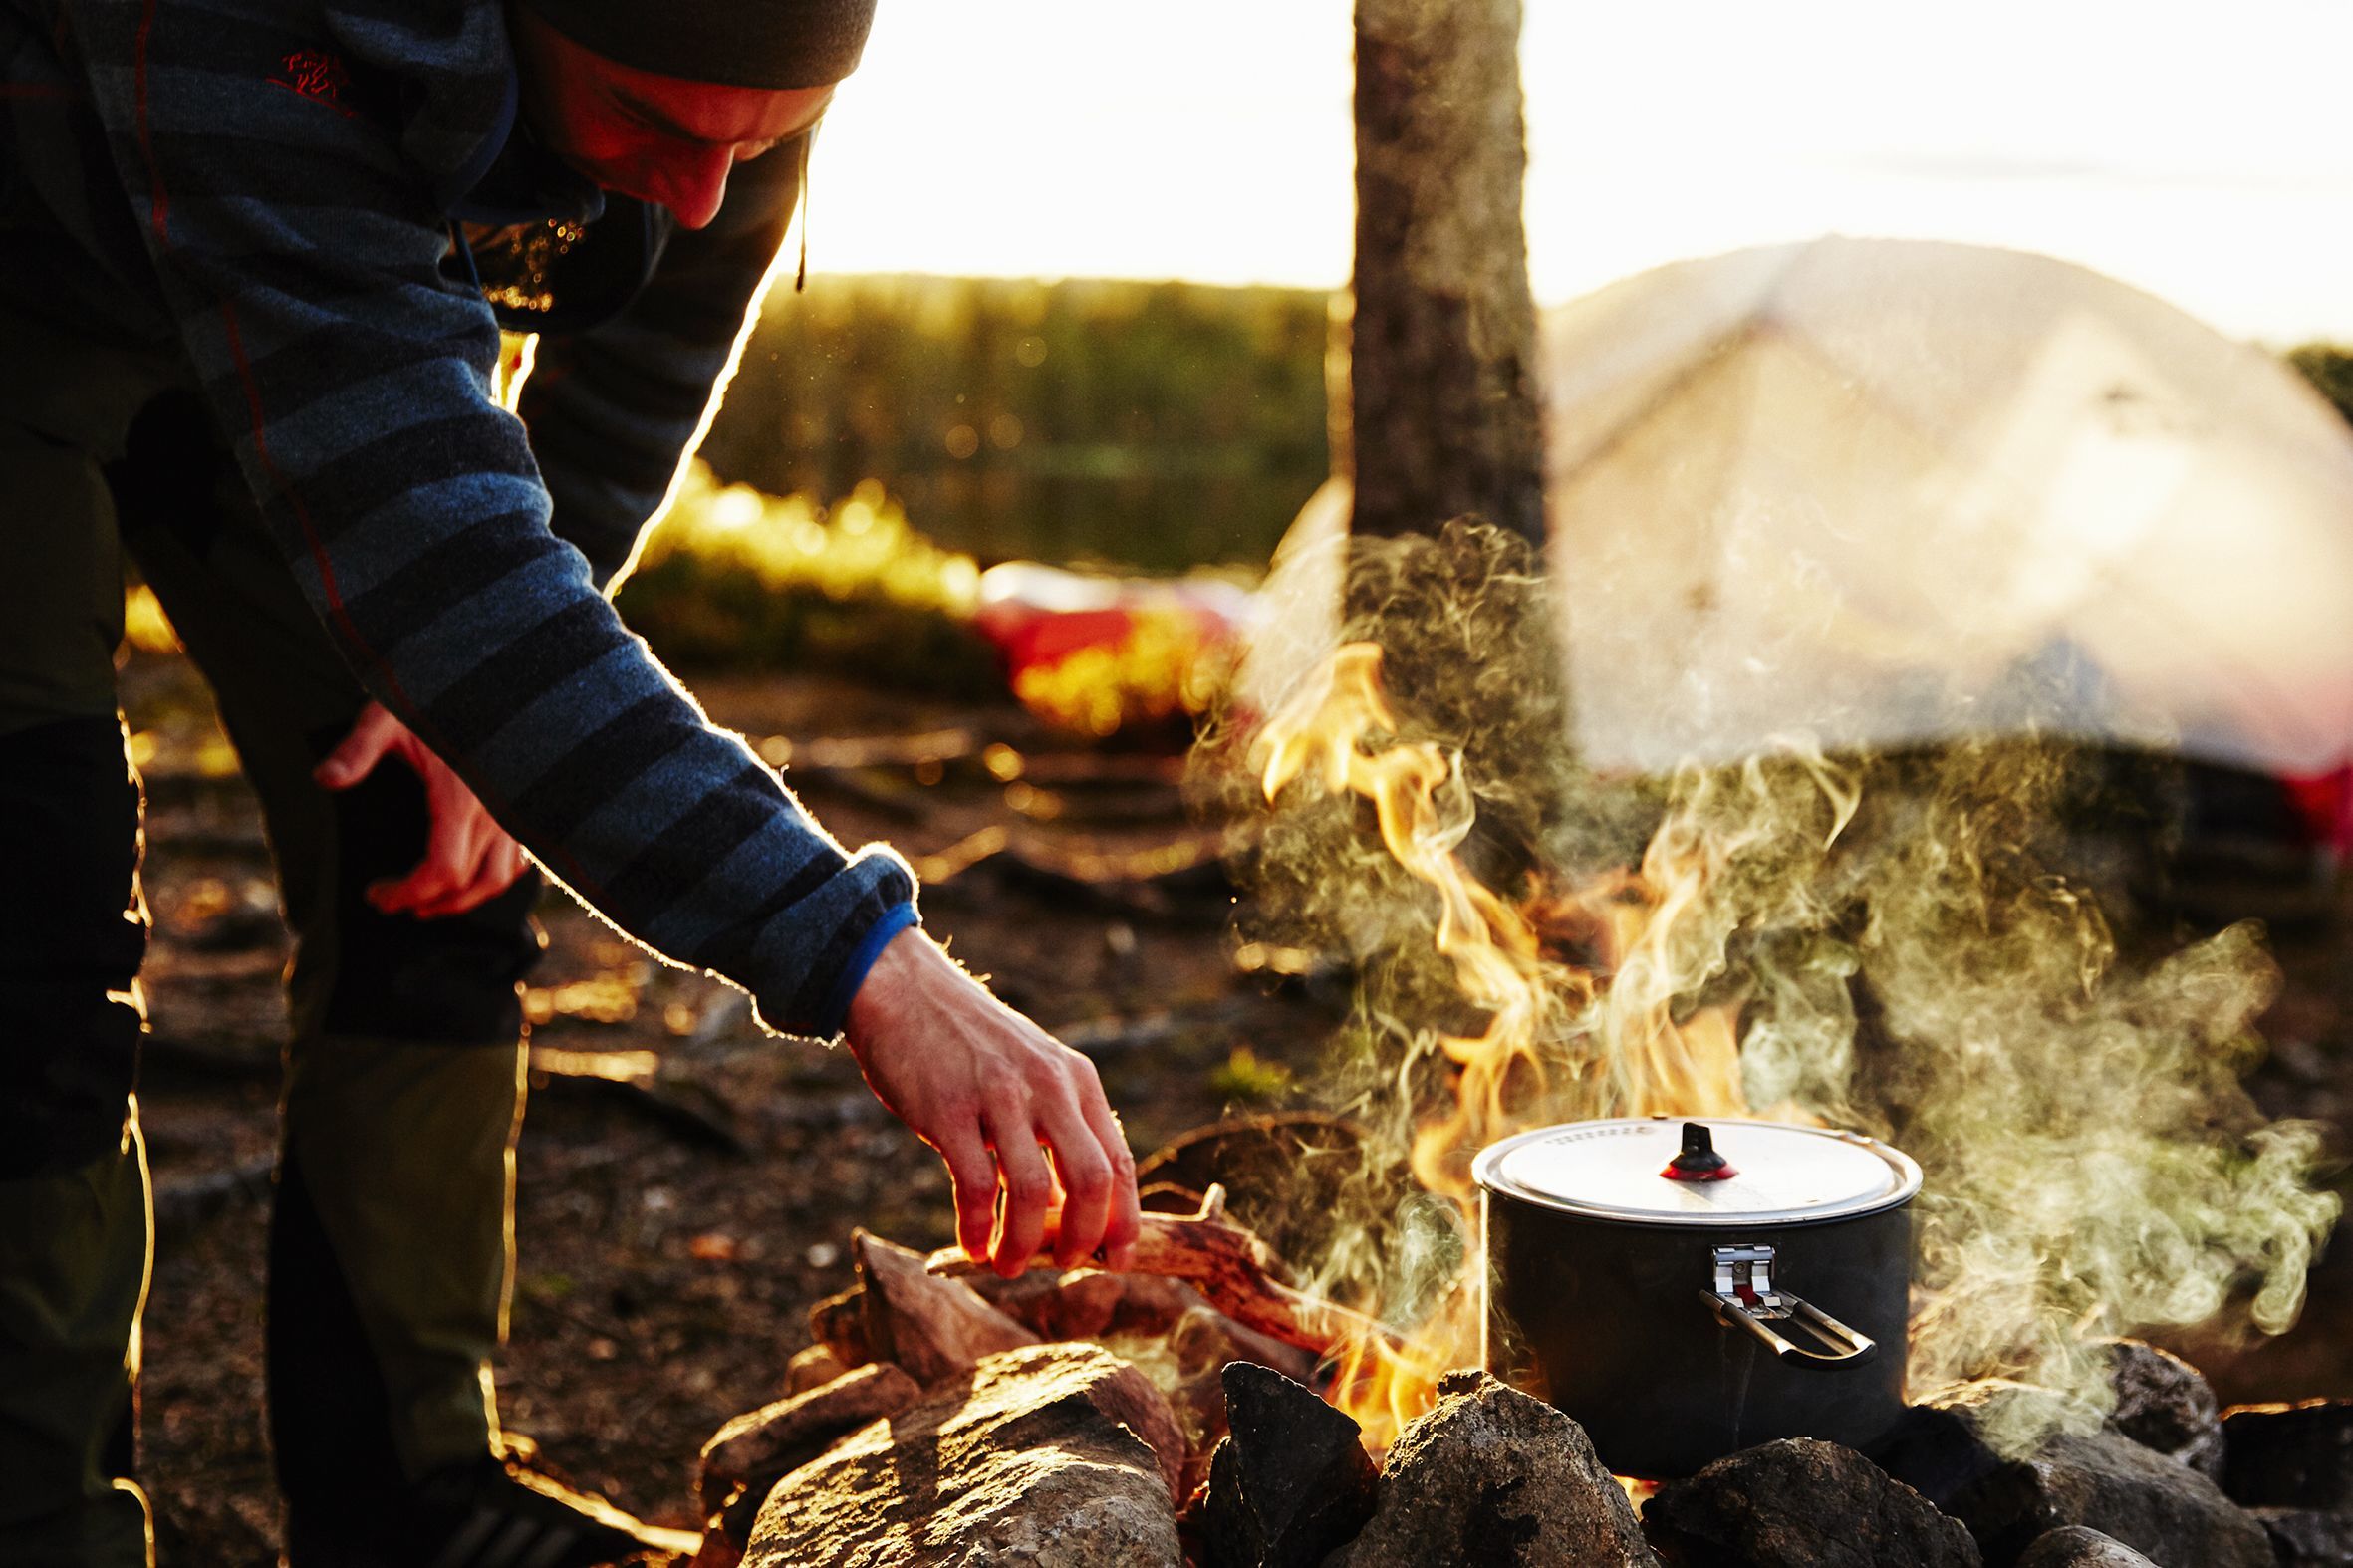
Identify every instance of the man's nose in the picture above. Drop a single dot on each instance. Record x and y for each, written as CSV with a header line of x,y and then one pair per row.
x,y
694,185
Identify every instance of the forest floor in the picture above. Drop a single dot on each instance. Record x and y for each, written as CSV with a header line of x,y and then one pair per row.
x,y
674,1228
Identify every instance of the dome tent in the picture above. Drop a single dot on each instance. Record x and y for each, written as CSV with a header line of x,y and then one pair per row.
x,y
1883,492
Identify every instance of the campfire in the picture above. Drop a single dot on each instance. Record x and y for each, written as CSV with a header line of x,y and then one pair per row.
x,y
1752,998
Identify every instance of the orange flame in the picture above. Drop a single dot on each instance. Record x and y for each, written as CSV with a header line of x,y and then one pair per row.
x,y
1562,1041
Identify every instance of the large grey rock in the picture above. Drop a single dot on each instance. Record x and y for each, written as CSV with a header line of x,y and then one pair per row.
x,y
2308,1537
1491,1478
756,1449
1801,1503
2077,1547
2291,1455
1046,1457
2166,1510
2162,1403
1291,1483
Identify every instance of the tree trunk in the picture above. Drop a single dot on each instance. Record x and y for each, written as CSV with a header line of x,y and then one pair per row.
x,y
1443,416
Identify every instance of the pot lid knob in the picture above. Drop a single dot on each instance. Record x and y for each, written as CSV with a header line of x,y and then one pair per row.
x,y
1698,1160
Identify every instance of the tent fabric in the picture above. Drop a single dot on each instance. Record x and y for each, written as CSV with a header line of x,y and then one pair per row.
x,y
1885,492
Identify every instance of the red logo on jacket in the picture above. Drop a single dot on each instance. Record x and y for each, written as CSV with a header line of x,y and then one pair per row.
x,y
316,76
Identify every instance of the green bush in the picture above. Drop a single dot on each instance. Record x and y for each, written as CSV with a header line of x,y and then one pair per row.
x,y
735,580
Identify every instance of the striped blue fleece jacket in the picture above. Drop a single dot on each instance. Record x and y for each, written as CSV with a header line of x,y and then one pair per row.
x,y
283,190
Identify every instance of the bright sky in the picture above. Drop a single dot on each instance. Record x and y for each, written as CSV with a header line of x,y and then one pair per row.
x,y
2197,150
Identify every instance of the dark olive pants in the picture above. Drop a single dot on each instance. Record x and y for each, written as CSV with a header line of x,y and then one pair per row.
x,y
390,1240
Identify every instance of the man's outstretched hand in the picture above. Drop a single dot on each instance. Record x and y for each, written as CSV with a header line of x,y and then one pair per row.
x,y
1009,1107
468,857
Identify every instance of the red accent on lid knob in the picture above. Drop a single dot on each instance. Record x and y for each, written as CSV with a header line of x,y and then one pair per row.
x,y
1698,1160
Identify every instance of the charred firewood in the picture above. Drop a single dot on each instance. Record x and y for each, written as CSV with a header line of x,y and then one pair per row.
x,y
1226,1264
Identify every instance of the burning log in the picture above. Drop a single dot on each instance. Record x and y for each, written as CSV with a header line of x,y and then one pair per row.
x,y
1206,1340
1291,1177
1088,1303
1238,1273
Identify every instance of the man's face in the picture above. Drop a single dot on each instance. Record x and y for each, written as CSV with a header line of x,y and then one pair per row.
x,y
658,138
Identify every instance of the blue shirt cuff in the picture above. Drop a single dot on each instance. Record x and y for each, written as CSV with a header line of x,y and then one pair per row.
x,y
895,920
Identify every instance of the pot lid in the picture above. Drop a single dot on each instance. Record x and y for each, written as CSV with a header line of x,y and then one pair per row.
x,y
1659,1171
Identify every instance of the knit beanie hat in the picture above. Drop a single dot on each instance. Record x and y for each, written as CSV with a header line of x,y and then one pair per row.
x,y
733,43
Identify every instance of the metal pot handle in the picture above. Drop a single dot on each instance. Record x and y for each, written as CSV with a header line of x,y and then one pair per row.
x,y
1743,1296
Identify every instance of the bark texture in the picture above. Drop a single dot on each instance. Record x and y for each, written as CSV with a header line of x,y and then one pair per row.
x,y
1444,409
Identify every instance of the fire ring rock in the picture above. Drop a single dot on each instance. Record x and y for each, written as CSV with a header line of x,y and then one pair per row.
x,y
2078,1547
2292,1455
1047,1456
2166,1510
1291,1483
1801,1503
1491,1478
2308,1537
760,1447
2162,1403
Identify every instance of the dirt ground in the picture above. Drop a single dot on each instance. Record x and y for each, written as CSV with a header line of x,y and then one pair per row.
x,y
674,1227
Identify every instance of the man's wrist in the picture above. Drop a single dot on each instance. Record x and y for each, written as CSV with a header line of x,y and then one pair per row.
x,y
887,928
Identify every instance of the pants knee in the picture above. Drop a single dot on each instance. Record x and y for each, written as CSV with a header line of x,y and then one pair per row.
x,y
73,932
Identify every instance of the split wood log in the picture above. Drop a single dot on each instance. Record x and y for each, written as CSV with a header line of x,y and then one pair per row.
x,y
1297,1177
1228,1264
1089,1303
811,1367
838,1323
935,1327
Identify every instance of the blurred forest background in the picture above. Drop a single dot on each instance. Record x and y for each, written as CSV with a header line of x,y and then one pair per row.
x,y
1146,427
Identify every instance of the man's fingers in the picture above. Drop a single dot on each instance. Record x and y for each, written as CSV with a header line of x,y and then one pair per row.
x,y
500,863
507,862
1086,1178
1028,1190
453,850
1123,1218
973,1175
374,734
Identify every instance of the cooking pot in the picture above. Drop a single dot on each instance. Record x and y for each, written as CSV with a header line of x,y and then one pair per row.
x,y
1685,1289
